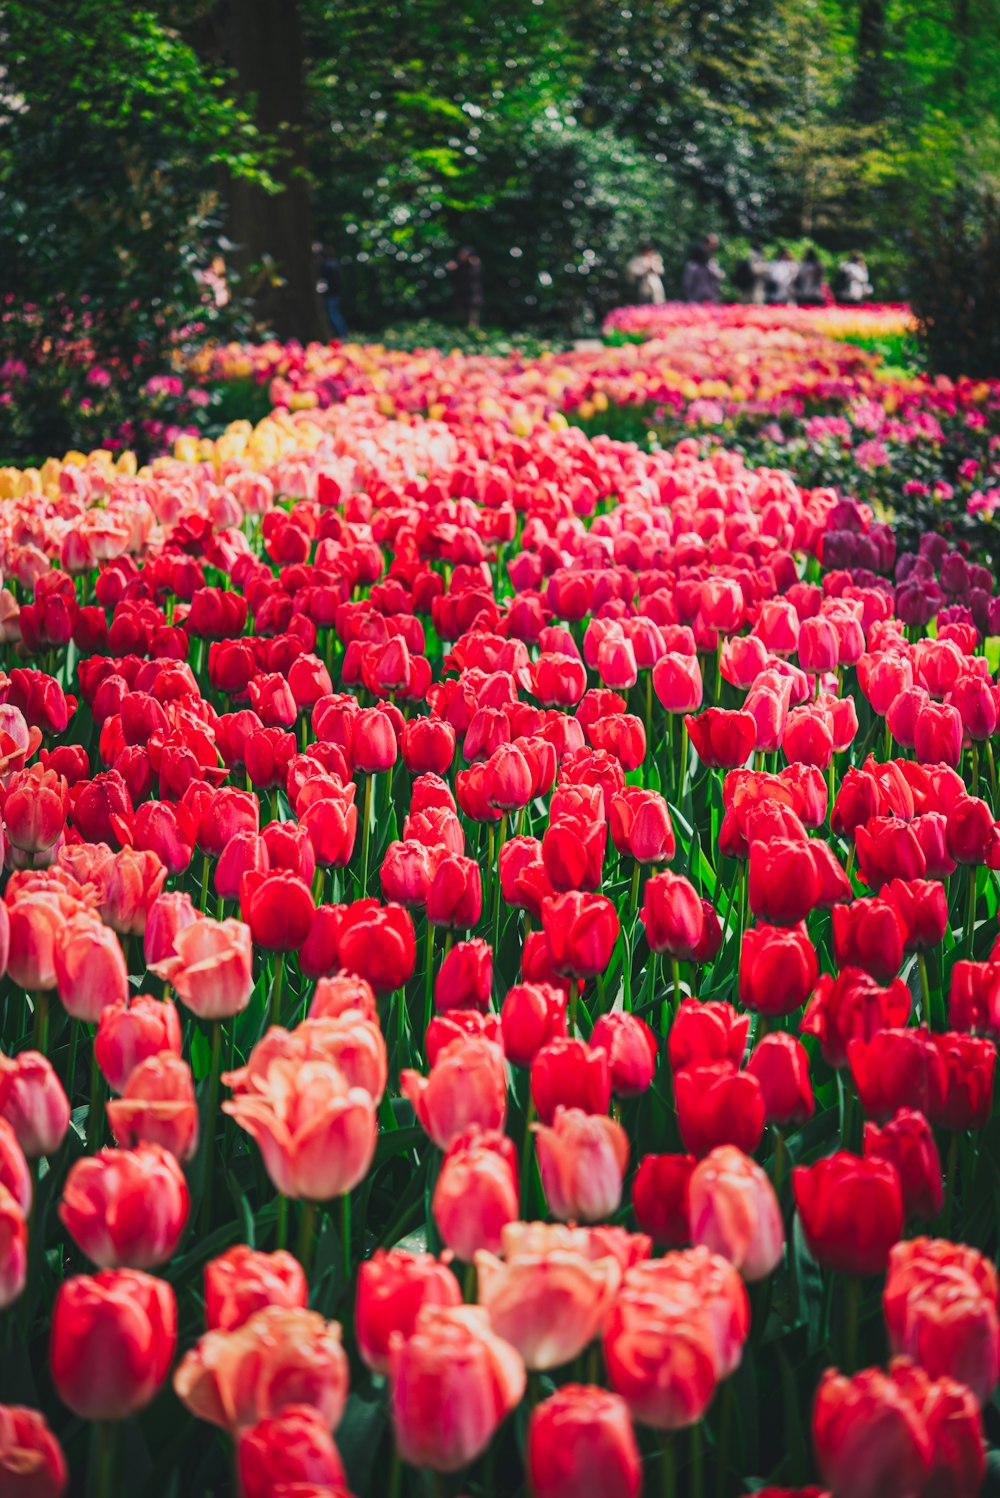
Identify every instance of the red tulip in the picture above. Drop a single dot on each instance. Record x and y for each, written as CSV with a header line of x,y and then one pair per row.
x,y
660,1197
455,897
852,1005
907,1142
581,930
242,1281
722,739
940,1305
581,1445
452,1382
969,1064
703,1033
291,1451
132,1318
32,1464
126,1207
570,1073
377,942
532,1015
781,1066
672,915
33,1102
778,969
211,971
870,1442
869,934
716,1104
392,1288
632,1051
923,908
851,1211
465,977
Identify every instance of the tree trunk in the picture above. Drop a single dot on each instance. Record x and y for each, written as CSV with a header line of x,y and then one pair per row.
x,y
262,42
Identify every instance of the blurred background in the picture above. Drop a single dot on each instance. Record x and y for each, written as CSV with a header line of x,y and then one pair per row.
x,y
193,165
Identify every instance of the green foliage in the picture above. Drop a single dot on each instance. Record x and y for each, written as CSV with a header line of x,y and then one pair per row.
x,y
954,277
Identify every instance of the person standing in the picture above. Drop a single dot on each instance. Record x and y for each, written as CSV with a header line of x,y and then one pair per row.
x,y
645,270
781,278
809,281
466,272
702,281
853,275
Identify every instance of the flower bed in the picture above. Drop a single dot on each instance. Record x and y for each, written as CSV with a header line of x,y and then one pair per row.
x,y
500,958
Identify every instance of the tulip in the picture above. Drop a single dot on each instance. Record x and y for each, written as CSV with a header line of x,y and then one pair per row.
x,y
888,849
34,809
373,741
131,883
13,1249
570,1073
733,1211
467,1088
853,1006
132,1318
393,1286
641,826
632,1051
581,1159
211,969
869,934
428,745
455,897
717,1104
452,1382
784,883
291,1452
169,913
923,908
532,1015
157,1106
377,943
897,1067
781,1066
573,854
939,1311
851,1211
549,1305
672,915
35,924
476,1193
315,1131
706,1032
90,967
15,1175
661,1357
970,1064
126,1207
32,1464
722,739
581,1445
907,1142
778,969
857,802
465,977
242,1281
954,1429
581,930
660,1197
33,1102
870,1442
281,1356
278,909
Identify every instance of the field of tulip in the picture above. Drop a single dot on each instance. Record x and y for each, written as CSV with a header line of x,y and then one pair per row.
x,y
501,963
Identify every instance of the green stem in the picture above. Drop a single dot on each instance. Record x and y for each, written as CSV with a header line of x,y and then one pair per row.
x,y
205,866
41,1026
696,1487
675,974
993,774
974,787
970,916
529,1119
281,1237
724,1437
95,1118
888,743
307,1235
277,983
74,1041
210,1119
345,1234
925,989
633,904
649,707
106,1439
395,1485
366,833
668,1466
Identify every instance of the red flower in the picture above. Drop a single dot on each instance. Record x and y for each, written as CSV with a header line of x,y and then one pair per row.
x,y
851,1211
722,739
716,1104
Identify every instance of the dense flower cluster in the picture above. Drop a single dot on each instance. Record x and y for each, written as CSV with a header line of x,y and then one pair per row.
x,y
551,883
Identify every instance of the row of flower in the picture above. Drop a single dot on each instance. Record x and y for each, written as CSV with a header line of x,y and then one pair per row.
x,y
500,974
